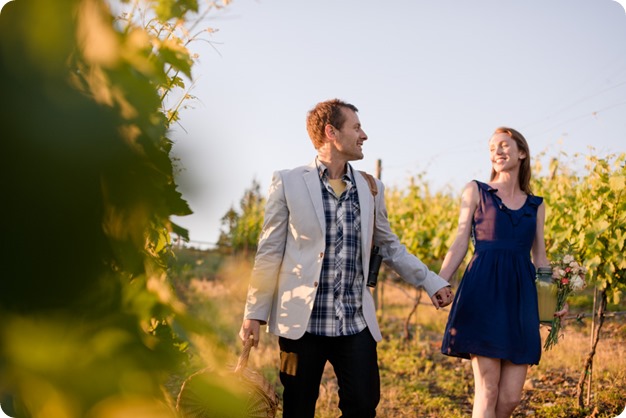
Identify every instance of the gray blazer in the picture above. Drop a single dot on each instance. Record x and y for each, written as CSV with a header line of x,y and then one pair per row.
x,y
291,247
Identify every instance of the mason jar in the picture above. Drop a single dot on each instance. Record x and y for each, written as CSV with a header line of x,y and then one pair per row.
x,y
546,294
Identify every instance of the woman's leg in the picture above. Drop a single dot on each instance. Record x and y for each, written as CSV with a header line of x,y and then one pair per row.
x,y
512,378
486,383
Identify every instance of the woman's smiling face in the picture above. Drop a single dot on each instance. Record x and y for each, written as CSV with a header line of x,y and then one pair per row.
x,y
504,153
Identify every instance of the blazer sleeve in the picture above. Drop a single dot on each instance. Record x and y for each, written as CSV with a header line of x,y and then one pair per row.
x,y
269,255
395,254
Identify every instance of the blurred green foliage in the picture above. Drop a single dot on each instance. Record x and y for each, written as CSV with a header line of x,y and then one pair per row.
x,y
89,323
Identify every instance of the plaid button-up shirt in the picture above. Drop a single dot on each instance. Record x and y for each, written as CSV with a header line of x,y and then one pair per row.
x,y
338,304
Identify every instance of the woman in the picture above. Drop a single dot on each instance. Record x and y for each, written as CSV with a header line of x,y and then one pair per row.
x,y
494,320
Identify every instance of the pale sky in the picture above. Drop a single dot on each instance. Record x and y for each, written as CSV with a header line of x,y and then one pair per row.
x,y
431,79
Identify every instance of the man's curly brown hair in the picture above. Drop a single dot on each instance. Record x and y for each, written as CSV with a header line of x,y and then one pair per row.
x,y
326,113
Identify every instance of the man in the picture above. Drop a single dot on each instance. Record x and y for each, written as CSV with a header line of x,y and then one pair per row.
x,y
308,281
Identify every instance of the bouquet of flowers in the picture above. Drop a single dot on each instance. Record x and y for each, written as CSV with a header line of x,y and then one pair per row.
x,y
569,276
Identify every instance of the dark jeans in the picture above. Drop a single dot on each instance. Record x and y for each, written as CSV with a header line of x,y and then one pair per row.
x,y
354,360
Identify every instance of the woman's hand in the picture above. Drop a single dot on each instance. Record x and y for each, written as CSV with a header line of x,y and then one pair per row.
x,y
562,312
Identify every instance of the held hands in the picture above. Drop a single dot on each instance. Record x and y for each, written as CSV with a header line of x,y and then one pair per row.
x,y
443,297
250,328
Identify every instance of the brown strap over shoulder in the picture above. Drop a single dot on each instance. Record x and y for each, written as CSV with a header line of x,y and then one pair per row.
x,y
371,181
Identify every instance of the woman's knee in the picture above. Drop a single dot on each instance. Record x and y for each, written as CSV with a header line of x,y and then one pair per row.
x,y
488,392
508,401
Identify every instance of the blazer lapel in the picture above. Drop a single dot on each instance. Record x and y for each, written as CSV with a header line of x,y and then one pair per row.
x,y
312,180
367,205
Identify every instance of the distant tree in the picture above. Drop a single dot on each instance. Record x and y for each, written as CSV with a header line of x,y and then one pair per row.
x,y
225,242
241,229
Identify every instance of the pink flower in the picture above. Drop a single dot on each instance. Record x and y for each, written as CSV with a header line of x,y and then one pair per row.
x,y
569,276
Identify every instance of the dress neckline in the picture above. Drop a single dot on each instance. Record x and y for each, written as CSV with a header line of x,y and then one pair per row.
x,y
501,203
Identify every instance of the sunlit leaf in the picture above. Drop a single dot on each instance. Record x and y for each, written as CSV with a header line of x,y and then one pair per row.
x,y
617,183
175,54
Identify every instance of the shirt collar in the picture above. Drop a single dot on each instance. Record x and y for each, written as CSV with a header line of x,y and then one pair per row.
x,y
322,170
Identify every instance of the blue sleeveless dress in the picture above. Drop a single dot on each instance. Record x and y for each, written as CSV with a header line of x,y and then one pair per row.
x,y
494,313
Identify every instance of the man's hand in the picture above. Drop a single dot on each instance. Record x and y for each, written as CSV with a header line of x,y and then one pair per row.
x,y
250,327
443,297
